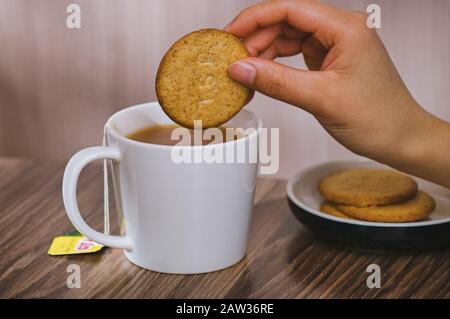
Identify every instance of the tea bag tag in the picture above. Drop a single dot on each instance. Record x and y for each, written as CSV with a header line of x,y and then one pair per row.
x,y
73,243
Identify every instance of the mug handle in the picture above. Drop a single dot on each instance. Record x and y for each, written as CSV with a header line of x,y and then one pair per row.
x,y
69,192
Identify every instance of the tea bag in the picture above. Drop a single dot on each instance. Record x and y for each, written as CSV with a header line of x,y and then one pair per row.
x,y
105,188
75,242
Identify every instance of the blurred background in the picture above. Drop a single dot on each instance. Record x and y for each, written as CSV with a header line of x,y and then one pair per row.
x,y
58,86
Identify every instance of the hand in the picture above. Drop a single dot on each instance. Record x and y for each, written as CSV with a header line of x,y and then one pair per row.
x,y
352,87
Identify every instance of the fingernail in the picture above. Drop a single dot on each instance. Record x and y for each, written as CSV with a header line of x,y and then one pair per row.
x,y
242,72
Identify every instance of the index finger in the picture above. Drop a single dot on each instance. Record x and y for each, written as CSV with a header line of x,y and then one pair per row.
x,y
305,15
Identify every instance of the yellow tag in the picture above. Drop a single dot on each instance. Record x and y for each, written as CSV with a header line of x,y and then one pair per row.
x,y
69,245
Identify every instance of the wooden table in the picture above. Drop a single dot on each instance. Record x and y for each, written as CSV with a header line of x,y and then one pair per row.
x,y
284,259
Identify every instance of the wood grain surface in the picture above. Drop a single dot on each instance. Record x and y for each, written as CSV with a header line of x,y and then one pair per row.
x,y
284,260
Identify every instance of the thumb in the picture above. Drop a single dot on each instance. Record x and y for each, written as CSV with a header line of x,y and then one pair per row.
x,y
297,87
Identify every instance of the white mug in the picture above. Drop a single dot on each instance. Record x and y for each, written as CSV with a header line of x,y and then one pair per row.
x,y
182,218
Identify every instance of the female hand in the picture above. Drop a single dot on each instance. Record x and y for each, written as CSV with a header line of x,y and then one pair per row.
x,y
352,87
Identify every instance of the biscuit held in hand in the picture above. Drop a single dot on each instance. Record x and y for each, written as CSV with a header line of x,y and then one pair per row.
x,y
193,83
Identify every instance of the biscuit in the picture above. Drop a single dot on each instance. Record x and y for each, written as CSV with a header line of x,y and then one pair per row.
x,y
417,208
192,82
364,187
330,209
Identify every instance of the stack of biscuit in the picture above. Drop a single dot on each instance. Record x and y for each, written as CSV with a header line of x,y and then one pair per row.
x,y
375,195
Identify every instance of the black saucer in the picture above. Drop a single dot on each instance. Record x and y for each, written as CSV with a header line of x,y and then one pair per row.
x,y
304,201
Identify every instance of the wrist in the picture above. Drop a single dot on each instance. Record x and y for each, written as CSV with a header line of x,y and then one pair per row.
x,y
424,150
416,142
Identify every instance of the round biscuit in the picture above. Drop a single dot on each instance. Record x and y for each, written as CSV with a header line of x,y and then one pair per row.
x,y
364,187
192,82
330,209
417,208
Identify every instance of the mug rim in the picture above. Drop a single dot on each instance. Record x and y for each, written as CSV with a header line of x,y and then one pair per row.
x,y
111,130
